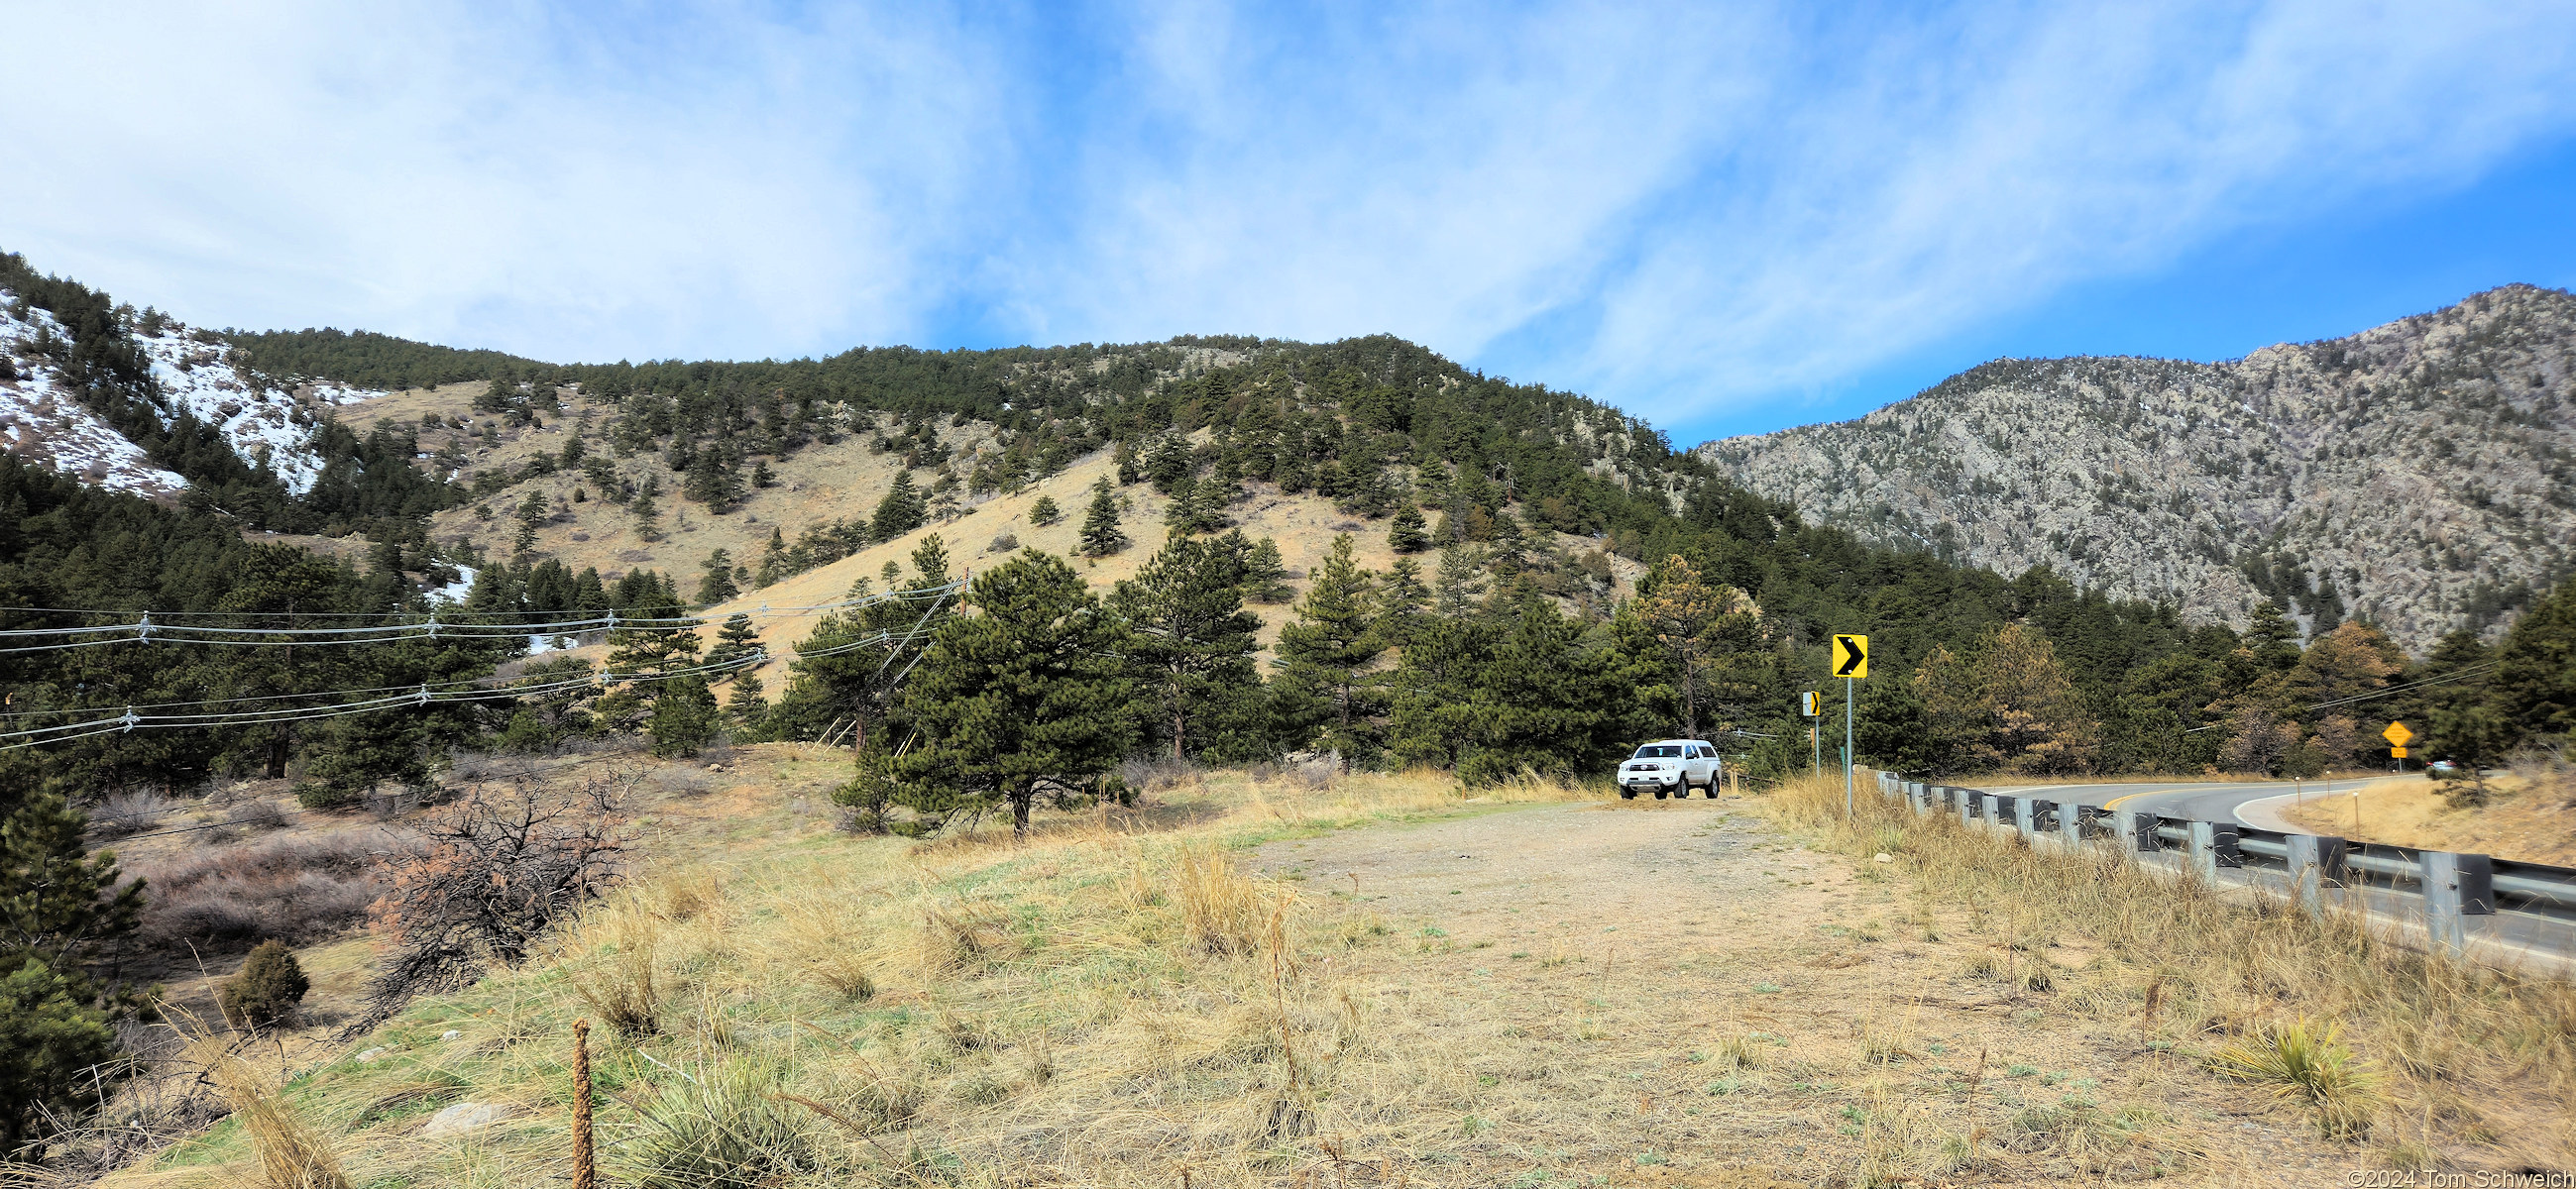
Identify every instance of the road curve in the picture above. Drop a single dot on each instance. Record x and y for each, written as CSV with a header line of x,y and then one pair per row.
x,y
2239,801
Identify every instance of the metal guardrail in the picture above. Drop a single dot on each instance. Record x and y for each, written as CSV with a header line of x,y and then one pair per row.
x,y
2451,887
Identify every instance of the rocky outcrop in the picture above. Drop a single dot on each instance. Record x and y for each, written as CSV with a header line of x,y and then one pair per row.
x,y
2421,475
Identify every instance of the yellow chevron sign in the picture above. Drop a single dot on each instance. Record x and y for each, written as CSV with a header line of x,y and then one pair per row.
x,y
1851,656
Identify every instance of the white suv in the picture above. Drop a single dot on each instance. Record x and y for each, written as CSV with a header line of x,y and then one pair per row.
x,y
1670,768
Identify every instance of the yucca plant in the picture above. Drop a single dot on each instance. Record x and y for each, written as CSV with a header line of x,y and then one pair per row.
x,y
2306,1060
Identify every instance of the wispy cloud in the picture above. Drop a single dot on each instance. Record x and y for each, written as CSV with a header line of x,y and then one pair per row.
x,y
1679,209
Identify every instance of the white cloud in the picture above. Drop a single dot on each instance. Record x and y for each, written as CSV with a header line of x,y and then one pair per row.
x,y
1677,209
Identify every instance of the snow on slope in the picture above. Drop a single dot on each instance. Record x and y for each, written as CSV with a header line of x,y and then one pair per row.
x,y
41,420
260,417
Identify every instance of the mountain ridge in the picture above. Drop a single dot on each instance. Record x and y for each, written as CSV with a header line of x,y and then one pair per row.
x,y
2349,476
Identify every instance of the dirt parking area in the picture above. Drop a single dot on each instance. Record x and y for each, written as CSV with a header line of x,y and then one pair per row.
x,y
1679,993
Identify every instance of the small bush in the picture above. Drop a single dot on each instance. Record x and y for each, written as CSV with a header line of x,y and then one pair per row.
x,y
2306,1060
1220,909
726,1128
1005,543
266,991
120,814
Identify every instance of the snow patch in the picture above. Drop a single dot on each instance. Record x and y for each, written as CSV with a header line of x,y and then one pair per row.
x,y
455,592
41,420
262,417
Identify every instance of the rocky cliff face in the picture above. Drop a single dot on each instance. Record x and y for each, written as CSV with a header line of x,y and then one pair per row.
x,y
2421,475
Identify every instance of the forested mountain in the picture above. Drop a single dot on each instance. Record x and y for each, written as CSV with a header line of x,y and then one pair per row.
x,y
2420,475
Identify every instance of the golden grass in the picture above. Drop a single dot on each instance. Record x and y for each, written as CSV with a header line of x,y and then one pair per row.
x,y
2244,983
2529,817
1111,997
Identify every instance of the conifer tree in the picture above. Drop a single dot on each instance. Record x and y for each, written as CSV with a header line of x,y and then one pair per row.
x,y
1025,698
533,511
735,640
1044,512
746,710
1402,600
773,560
1100,535
1265,575
715,479
901,511
684,717
59,908
1326,652
1406,534
1460,582
1191,641
648,514
715,579
2535,676
1189,513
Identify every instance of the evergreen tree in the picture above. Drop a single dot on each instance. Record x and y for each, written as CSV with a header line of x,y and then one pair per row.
x,y
714,479
901,511
1406,534
684,716
1326,652
715,579
60,908
773,560
1191,642
533,511
746,711
1100,535
648,514
735,640
1402,602
2535,674
1026,697
1190,513
1044,512
1460,582
1265,575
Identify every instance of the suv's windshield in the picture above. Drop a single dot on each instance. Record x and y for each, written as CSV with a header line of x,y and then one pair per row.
x,y
1658,752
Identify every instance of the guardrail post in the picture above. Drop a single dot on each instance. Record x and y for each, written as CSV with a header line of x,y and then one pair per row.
x,y
2213,846
2070,825
2138,832
1990,809
2314,862
2456,887
1967,802
2026,817
1922,799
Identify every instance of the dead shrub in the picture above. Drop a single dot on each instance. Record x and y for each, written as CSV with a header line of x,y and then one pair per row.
x,y
489,875
132,811
296,888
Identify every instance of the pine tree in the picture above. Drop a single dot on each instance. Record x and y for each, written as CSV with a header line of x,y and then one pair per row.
x,y
715,579
1025,698
1406,534
1189,513
2535,675
761,476
1044,512
684,717
715,479
59,908
1265,575
901,511
1326,652
746,710
773,560
735,640
1401,602
1192,642
533,511
1100,535
1461,581
269,986
647,514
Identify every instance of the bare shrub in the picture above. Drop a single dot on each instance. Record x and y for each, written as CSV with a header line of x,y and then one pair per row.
x,y
260,814
295,888
1160,772
618,982
490,874
130,812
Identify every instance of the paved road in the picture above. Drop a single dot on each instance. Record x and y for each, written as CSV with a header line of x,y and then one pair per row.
x,y
2200,800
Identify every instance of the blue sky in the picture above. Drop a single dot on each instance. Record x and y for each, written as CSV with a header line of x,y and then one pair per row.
x,y
1727,219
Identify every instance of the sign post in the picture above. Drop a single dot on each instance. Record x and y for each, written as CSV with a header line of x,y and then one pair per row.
x,y
2397,736
1851,663
1811,704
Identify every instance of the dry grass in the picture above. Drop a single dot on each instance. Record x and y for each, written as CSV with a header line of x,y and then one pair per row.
x,y
2245,982
2531,816
1110,999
